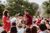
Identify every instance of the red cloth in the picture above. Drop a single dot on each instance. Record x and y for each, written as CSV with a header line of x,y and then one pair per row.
x,y
38,22
6,25
29,20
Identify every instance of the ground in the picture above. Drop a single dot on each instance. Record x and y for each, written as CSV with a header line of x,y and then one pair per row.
x,y
1,29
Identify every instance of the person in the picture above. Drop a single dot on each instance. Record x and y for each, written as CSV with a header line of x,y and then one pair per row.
x,y
47,24
20,29
14,24
34,19
6,21
24,26
28,18
13,29
4,31
27,30
38,21
42,28
42,20
34,29
20,17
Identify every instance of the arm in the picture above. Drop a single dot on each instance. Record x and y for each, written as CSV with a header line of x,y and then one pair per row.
x,y
30,20
16,22
7,20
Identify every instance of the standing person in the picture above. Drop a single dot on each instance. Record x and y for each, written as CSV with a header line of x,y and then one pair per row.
x,y
6,21
28,18
38,21
34,19
27,30
20,17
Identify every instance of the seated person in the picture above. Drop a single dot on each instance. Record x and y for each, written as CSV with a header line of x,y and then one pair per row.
x,y
4,31
47,24
34,29
27,30
23,26
43,28
13,30
20,29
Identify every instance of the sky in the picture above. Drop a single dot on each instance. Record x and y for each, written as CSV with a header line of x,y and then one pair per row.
x,y
36,1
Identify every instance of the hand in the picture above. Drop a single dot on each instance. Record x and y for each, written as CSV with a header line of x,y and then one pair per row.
x,y
8,21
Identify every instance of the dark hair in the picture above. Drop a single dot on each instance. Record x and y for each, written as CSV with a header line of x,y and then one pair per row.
x,y
26,10
13,29
47,21
13,24
5,13
47,17
20,25
42,27
28,30
4,31
20,14
34,29
42,18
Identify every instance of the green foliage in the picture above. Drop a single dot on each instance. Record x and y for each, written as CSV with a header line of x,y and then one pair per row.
x,y
1,9
18,6
0,20
47,6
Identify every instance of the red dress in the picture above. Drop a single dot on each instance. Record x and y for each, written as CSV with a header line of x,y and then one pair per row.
x,y
29,20
6,25
38,22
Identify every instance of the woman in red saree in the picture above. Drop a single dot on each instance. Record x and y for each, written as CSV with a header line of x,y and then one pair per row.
x,y
6,21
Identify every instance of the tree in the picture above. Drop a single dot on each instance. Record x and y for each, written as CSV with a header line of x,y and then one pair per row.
x,y
47,6
18,6
1,9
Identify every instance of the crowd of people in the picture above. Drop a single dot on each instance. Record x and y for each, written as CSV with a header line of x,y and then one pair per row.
x,y
26,24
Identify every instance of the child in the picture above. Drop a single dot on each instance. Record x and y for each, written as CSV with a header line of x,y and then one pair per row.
x,y
18,21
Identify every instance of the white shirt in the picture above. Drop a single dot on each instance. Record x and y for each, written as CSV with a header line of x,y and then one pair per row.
x,y
18,21
43,32
46,31
21,30
49,22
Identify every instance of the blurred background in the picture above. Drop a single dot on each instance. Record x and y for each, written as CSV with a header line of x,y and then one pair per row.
x,y
35,7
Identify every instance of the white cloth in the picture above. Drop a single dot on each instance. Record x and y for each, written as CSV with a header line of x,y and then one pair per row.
x,y
18,21
12,20
49,23
21,30
46,31
43,32
42,21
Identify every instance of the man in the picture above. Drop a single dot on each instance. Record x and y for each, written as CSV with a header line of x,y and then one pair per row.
x,y
47,24
13,29
28,18
43,28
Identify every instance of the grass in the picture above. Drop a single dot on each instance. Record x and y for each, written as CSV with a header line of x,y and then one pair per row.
x,y
0,20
